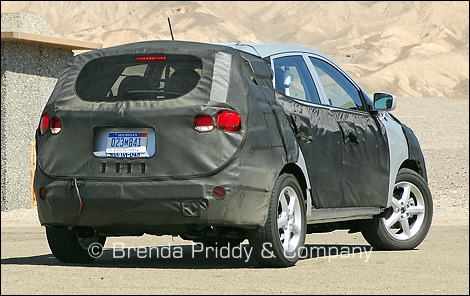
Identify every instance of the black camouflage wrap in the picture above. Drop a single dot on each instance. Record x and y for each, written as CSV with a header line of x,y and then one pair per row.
x,y
171,192
176,187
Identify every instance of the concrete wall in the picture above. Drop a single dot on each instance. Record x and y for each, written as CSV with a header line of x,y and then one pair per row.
x,y
29,73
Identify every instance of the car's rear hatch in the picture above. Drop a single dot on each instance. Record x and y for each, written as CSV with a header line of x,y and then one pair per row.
x,y
145,110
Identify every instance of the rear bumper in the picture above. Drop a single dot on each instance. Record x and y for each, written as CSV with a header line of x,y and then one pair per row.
x,y
148,206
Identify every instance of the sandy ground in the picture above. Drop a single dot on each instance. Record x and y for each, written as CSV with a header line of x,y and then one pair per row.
x,y
338,263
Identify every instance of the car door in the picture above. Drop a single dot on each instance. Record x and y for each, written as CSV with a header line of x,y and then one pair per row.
x,y
344,146
314,125
365,162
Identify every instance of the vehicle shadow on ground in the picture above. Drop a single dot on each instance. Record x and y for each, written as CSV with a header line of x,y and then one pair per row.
x,y
187,256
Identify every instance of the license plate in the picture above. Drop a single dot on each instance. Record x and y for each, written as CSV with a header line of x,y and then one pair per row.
x,y
126,144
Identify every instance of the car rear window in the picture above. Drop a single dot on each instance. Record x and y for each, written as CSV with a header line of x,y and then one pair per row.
x,y
138,77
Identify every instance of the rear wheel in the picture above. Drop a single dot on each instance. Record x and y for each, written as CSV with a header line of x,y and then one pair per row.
x,y
279,243
409,220
72,246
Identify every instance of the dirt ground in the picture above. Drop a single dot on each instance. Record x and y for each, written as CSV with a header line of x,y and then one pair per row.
x,y
336,263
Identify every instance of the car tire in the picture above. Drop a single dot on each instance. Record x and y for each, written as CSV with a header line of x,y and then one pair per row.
x,y
68,247
408,221
287,206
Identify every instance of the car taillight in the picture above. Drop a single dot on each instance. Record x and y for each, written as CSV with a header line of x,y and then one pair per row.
x,y
229,121
203,123
44,124
55,126
226,120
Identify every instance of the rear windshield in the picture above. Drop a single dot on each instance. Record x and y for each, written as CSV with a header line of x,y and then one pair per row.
x,y
138,77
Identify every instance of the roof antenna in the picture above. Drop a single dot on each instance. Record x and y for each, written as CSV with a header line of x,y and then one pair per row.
x,y
171,31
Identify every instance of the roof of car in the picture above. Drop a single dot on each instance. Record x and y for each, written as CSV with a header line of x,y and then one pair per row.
x,y
267,49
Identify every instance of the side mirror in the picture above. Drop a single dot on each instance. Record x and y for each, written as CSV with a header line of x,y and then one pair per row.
x,y
384,102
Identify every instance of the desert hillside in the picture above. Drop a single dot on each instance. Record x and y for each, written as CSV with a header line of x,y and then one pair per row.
x,y
409,48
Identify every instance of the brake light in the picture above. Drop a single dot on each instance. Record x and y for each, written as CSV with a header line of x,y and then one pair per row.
x,y
228,120
203,123
151,58
55,125
44,124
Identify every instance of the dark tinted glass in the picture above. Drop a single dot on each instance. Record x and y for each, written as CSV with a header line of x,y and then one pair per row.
x,y
138,77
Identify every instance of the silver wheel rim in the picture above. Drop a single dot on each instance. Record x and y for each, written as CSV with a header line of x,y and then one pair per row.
x,y
289,219
408,211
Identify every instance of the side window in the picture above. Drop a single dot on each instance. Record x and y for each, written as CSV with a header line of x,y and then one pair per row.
x,y
292,78
339,90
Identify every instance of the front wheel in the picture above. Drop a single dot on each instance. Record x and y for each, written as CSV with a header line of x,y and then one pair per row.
x,y
408,221
279,243
72,246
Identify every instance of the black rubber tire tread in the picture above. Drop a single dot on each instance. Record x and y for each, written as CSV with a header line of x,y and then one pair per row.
x,y
270,232
66,247
375,233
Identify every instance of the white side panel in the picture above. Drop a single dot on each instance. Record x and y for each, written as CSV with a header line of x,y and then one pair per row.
x,y
398,148
303,167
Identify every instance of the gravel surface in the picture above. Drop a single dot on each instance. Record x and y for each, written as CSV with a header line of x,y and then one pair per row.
x,y
441,125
